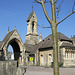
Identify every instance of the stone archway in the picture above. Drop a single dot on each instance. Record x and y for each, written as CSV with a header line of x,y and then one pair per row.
x,y
16,48
13,39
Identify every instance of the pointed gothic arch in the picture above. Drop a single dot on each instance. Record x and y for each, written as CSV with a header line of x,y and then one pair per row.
x,y
16,48
12,38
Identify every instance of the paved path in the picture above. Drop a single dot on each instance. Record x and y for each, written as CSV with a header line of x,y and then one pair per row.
x,y
32,70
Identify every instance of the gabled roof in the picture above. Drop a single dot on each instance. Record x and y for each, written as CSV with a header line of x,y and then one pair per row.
x,y
38,46
30,16
62,37
8,36
48,42
67,45
0,44
73,38
29,48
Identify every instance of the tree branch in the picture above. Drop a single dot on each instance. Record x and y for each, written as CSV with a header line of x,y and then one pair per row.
x,y
66,17
56,1
45,12
44,1
47,1
43,26
60,4
58,8
73,6
38,1
44,9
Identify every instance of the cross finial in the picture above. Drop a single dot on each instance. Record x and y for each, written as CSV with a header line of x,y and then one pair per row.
x,y
8,29
40,34
15,27
71,36
32,7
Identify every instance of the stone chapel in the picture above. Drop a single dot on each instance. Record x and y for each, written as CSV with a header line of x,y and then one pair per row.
x,y
40,52
36,51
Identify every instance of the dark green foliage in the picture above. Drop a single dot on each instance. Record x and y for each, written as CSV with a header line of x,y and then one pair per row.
x,y
60,64
51,64
38,64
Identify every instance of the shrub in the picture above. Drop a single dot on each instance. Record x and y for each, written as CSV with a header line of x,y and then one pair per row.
x,y
60,64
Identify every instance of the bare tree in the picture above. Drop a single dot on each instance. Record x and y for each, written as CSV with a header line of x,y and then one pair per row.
x,y
54,24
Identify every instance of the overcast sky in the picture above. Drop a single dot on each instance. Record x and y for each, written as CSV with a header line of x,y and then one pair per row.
x,y
15,13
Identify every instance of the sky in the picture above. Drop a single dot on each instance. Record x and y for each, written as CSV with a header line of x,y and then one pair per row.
x,y
15,13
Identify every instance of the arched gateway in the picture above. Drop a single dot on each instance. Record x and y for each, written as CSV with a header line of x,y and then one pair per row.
x,y
12,38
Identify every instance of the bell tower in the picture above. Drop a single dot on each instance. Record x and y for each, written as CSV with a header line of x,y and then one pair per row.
x,y
32,35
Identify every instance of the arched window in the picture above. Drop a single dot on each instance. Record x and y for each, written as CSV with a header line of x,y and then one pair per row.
x,y
33,26
50,57
41,59
67,54
10,53
72,54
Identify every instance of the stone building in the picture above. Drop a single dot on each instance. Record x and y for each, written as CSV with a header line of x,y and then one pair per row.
x,y
40,52
32,39
12,38
66,51
36,51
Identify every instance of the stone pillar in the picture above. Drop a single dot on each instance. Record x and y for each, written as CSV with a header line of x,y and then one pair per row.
x,y
19,61
22,58
35,59
69,53
40,38
5,53
64,63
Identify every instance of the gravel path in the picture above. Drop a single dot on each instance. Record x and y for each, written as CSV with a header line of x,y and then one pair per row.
x,y
32,70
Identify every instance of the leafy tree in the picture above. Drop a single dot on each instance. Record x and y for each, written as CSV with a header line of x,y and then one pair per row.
x,y
53,23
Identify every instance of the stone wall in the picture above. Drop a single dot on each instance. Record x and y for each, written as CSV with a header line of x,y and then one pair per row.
x,y
69,63
45,60
10,68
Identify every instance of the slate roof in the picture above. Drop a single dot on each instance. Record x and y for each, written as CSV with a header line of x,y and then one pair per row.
x,y
6,38
63,37
38,46
30,16
29,48
67,45
47,42
73,38
0,44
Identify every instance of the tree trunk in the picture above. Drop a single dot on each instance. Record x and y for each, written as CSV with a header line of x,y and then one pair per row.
x,y
55,49
53,24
